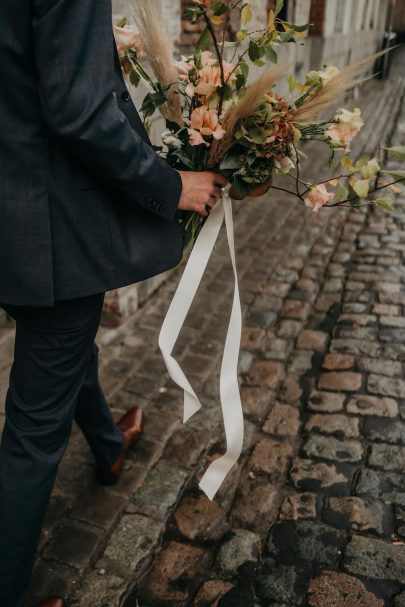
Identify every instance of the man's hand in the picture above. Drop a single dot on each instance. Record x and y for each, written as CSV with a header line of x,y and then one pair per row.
x,y
200,190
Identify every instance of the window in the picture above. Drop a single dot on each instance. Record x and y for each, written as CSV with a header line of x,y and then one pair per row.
x,y
340,16
367,14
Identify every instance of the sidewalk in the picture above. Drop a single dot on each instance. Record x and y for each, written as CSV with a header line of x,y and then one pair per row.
x,y
318,501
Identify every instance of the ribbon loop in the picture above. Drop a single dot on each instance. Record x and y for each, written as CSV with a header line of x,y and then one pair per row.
x,y
172,325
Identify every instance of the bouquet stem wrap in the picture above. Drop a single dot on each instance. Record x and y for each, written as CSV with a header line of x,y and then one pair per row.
x,y
172,325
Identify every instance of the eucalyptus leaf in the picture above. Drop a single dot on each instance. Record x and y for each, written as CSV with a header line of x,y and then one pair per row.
x,y
185,158
246,13
386,203
397,152
279,6
397,175
271,54
342,193
230,163
134,78
204,40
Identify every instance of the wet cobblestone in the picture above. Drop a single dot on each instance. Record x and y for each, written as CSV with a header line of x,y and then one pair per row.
x,y
315,512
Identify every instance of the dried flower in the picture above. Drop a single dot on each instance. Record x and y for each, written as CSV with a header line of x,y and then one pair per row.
x,y
269,131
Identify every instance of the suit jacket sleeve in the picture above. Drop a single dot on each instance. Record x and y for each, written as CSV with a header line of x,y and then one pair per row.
x,y
74,53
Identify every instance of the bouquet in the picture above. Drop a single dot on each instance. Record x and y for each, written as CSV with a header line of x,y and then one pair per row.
x,y
217,120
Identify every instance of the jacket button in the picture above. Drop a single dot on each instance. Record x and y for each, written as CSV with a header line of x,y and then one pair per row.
x,y
125,96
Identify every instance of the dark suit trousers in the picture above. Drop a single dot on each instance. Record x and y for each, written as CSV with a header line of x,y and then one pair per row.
x,y
54,379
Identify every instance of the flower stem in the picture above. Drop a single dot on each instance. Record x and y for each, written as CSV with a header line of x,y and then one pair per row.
x,y
220,60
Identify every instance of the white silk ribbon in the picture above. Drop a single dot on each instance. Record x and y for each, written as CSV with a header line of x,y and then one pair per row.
x,y
172,325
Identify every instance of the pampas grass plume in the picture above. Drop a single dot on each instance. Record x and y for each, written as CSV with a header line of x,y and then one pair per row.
x,y
159,50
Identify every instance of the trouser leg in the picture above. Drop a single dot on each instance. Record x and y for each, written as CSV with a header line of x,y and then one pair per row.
x,y
53,349
93,416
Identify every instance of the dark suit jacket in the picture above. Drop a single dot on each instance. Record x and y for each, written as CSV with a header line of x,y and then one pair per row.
x,y
85,203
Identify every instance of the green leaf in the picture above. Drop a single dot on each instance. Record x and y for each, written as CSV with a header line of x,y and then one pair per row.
x,y
185,158
240,81
386,203
197,62
246,13
241,35
271,54
361,163
397,152
342,193
227,91
230,163
370,169
134,78
256,52
287,36
300,28
148,106
361,187
194,14
219,8
279,6
397,175
204,40
244,69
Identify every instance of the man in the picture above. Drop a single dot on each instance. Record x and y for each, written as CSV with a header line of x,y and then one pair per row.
x,y
85,206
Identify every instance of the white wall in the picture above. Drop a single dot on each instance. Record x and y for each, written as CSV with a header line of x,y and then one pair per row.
x,y
357,40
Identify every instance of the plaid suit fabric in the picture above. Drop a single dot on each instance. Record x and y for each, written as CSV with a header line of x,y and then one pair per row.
x,y
85,203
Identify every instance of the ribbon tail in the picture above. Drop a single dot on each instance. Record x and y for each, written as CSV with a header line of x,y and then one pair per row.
x,y
229,388
181,303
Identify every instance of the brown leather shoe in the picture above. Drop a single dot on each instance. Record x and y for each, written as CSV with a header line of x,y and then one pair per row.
x,y
53,602
132,425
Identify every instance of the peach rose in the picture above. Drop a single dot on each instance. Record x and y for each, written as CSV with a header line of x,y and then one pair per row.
x,y
127,37
204,123
318,197
210,75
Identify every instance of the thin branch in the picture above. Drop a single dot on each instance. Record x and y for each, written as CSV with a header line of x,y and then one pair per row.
x,y
297,178
273,187
305,183
328,181
227,21
221,64
382,187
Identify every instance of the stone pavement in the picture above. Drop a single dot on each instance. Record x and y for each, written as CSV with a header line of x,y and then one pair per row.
x,y
315,512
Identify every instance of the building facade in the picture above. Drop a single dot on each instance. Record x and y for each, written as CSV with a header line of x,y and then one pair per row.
x,y
345,31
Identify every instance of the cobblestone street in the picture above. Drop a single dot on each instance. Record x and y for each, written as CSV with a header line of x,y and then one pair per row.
x,y
315,512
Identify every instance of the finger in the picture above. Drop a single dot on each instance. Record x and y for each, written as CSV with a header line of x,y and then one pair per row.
x,y
203,211
211,202
216,192
219,180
